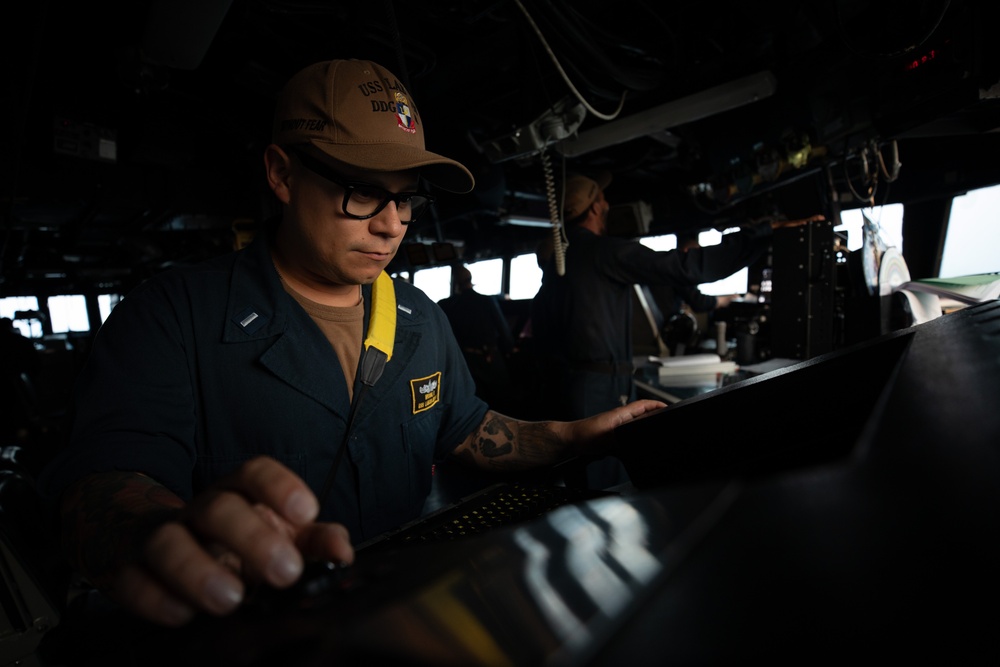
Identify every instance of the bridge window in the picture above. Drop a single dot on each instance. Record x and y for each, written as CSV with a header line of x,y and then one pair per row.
x,y
525,276
487,276
888,219
68,313
435,282
12,306
972,244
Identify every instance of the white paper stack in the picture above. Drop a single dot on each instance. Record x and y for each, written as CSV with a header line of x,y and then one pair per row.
x,y
694,370
967,290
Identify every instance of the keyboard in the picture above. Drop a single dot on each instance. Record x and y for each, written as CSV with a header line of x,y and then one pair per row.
x,y
378,575
496,506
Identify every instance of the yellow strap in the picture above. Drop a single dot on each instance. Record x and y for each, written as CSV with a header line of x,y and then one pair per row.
x,y
382,321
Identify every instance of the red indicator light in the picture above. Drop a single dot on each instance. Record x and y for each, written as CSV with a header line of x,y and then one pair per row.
x,y
926,57
922,60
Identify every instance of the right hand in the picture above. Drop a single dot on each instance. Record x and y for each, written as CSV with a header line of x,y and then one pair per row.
x,y
256,525
595,435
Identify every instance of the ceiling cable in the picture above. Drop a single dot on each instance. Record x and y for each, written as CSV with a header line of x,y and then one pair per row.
x,y
562,72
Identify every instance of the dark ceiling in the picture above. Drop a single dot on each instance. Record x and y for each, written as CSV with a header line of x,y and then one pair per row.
x,y
136,128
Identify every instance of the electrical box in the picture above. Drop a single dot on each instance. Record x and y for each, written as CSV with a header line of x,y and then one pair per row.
x,y
803,291
84,140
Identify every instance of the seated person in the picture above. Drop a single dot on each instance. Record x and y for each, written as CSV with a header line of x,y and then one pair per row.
x,y
284,402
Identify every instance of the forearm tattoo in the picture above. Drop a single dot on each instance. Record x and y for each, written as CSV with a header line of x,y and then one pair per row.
x,y
503,443
106,519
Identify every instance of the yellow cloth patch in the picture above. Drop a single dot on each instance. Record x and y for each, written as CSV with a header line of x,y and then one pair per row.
x,y
426,392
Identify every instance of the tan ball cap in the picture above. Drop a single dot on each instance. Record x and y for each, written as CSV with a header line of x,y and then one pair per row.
x,y
582,191
358,112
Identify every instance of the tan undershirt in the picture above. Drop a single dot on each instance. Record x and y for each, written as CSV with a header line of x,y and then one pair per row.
x,y
342,326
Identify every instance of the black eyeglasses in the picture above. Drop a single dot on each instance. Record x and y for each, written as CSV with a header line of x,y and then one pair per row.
x,y
364,200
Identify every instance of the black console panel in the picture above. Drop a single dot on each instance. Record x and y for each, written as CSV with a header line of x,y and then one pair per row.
x,y
842,509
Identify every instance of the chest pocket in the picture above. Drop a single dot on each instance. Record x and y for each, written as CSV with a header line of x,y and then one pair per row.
x,y
408,483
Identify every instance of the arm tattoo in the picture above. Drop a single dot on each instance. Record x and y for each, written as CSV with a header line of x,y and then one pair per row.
x,y
106,519
503,443
496,438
